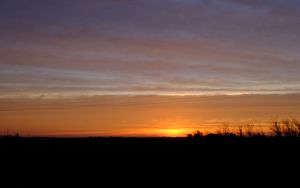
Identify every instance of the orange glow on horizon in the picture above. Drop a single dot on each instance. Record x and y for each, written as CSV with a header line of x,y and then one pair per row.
x,y
173,132
141,116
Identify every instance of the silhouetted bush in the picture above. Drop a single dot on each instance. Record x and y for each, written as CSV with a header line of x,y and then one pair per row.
x,y
276,129
225,130
240,131
285,128
196,134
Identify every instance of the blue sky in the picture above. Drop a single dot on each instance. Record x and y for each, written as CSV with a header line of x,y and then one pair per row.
x,y
168,47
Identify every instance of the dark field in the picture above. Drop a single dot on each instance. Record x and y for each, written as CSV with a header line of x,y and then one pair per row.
x,y
148,159
184,145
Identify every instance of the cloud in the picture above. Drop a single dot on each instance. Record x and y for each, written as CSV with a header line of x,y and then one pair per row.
x,y
171,46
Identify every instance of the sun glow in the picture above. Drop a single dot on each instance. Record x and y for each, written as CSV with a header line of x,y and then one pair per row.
x,y
173,132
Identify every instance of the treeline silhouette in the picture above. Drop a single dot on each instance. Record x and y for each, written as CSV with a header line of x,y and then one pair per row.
x,y
288,128
281,137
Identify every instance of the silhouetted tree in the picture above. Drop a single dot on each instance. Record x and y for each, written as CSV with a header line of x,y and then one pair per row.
x,y
240,131
297,125
225,130
276,128
198,134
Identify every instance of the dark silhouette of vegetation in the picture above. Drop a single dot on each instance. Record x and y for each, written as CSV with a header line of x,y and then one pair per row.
x,y
288,128
225,130
16,135
240,131
276,129
249,130
281,134
196,134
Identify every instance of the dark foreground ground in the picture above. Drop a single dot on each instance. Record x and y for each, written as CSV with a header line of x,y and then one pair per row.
x,y
149,161
149,145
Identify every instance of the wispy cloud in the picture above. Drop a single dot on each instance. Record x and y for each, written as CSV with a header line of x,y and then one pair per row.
x,y
149,47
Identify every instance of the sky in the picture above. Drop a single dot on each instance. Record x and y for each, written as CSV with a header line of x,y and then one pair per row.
x,y
53,52
143,115
163,47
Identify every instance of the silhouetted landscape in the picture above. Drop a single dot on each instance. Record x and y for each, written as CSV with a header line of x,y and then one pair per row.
x,y
223,154
283,136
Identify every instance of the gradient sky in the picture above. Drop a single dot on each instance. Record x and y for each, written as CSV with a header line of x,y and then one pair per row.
x,y
100,67
142,115
56,48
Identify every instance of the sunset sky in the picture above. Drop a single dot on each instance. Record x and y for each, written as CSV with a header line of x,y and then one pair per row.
x,y
146,67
